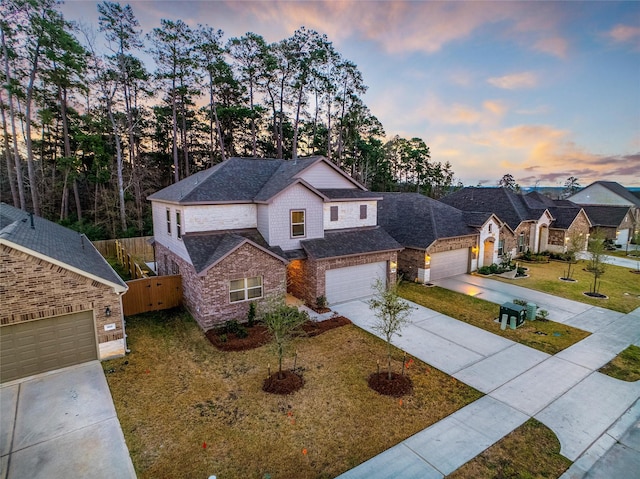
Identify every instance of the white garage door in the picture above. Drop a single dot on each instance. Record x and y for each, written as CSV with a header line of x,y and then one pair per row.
x,y
449,263
353,282
43,345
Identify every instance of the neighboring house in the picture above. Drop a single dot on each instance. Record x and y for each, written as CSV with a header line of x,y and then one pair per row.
x,y
248,229
529,224
614,222
61,301
569,221
610,193
439,240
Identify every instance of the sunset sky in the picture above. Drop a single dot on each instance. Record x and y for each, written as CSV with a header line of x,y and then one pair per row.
x,y
541,90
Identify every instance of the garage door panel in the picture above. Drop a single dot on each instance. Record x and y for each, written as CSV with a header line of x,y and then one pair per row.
x,y
449,263
46,344
353,282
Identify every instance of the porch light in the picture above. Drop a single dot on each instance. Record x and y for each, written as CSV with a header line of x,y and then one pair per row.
x,y
393,265
475,249
107,311
427,259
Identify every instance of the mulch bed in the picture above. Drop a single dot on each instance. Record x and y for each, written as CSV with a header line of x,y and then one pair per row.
x,y
258,335
314,328
397,386
288,383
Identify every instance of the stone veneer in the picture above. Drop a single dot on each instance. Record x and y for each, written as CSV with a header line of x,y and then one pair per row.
x,y
36,289
307,276
207,296
557,243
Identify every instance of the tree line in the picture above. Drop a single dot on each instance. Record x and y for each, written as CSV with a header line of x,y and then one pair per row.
x,y
89,131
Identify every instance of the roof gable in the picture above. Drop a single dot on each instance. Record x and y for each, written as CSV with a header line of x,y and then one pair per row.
x,y
417,221
613,187
55,243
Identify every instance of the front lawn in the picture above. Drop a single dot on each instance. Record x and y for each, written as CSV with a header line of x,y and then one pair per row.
x,y
190,410
625,366
618,283
532,450
547,336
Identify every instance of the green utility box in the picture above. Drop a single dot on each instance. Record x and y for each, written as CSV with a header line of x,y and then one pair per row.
x,y
531,311
514,310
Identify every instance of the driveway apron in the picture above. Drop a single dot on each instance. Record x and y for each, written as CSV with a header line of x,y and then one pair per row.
x,y
588,411
62,424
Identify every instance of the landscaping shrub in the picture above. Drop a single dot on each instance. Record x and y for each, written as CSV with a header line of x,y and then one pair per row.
x,y
233,327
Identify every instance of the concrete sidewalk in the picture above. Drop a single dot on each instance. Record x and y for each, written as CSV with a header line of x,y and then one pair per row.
x,y
62,424
563,391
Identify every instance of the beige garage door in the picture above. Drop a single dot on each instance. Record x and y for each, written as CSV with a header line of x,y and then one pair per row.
x,y
449,263
46,344
353,282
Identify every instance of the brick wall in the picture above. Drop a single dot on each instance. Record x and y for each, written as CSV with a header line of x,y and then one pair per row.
x,y
36,289
449,244
207,297
409,260
307,277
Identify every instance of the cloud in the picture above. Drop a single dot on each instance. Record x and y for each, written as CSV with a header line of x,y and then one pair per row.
x,y
625,34
514,81
556,46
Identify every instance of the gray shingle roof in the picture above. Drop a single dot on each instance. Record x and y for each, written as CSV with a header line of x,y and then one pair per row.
x,y
564,212
237,180
416,221
350,242
347,194
609,216
206,249
510,207
61,244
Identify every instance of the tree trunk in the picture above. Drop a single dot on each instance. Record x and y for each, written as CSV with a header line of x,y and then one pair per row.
x,y
119,166
254,145
14,131
7,155
174,121
33,184
295,125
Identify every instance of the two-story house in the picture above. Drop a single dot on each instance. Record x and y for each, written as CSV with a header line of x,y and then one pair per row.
x,y
248,229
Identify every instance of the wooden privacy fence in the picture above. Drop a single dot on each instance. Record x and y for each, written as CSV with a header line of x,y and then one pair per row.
x,y
139,247
129,262
152,294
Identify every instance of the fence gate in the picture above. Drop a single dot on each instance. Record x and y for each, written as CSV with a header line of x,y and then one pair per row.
x,y
152,294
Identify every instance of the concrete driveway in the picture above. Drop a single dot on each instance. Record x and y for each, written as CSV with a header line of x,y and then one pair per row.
x,y
587,410
62,424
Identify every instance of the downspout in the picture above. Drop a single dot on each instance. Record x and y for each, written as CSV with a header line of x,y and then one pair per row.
x,y
124,331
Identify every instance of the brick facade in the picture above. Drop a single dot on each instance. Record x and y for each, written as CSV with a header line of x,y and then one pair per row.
x,y
207,297
558,238
409,260
307,277
36,289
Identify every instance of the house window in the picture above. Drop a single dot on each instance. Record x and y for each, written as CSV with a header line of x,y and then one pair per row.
x,y
521,243
334,213
179,224
297,223
244,289
490,228
168,221
363,212
500,247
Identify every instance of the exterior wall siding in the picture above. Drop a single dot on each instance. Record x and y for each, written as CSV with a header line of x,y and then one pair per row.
x,y
296,198
36,289
307,277
263,221
170,241
219,217
322,176
349,214
207,297
598,195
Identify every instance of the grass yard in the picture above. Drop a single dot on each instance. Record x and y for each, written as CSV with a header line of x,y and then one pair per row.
x,y
621,286
189,410
625,366
546,336
532,450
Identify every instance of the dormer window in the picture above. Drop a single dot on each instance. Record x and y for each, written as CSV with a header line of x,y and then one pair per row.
x,y
297,223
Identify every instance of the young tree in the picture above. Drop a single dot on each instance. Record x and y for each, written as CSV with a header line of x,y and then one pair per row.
x,y
575,243
596,265
392,314
282,321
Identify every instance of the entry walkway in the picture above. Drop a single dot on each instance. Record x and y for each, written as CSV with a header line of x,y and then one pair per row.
x,y
584,408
